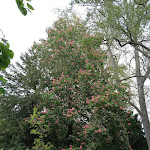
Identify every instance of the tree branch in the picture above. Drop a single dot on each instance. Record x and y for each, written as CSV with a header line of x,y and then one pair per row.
x,y
137,109
144,53
140,44
3,34
145,76
139,3
134,44
119,42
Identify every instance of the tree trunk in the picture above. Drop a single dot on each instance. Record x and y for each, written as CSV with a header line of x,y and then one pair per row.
x,y
115,66
141,95
113,62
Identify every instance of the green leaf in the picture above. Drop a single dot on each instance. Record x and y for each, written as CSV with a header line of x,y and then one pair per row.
x,y
2,79
2,91
21,7
30,7
7,45
23,11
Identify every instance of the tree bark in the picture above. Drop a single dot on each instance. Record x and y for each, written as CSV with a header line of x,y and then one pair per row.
x,y
115,66
113,62
141,95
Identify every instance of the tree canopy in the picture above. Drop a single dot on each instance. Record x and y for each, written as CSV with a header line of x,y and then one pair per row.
x,y
80,108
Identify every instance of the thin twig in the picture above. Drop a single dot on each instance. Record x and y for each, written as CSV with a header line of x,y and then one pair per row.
x,y
3,34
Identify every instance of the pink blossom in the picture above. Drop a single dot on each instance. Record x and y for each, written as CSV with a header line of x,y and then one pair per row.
x,y
96,131
86,61
130,147
99,130
57,121
121,107
80,146
87,102
69,116
77,139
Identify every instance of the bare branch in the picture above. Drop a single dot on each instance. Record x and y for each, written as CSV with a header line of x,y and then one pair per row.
x,y
135,44
132,77
144,53
121,45
140,4
137,109
3,34
140,44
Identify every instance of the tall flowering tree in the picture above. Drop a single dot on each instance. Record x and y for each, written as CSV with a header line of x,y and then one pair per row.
x,y
80,108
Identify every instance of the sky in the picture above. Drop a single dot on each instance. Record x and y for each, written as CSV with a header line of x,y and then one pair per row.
x,y
21,31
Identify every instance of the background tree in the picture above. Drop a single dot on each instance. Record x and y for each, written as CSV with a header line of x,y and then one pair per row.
x,y
136,135
23,86
127,23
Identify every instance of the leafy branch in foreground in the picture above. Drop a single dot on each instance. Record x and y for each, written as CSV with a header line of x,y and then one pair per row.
x,y
5,55
23,9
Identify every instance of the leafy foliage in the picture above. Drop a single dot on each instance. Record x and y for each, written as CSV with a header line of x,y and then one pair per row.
x,y
40,129
23,90
136,135
5,55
